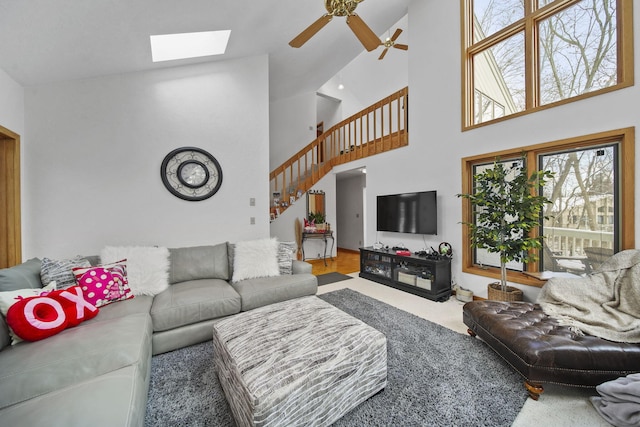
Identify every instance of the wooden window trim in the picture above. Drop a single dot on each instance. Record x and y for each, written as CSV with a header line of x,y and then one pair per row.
x,y
624,15
626,137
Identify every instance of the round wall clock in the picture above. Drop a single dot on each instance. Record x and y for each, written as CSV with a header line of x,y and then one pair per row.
x,y
191,173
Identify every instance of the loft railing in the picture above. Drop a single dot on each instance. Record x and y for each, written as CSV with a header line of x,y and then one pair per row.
x,y
379,128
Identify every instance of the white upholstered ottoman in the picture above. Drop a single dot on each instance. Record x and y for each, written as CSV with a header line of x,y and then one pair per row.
x,y
301,362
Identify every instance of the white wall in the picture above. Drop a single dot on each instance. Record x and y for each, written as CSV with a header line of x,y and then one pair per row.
x,y
436,142
92,162
293,125
284,226
328,111
367,80
11,104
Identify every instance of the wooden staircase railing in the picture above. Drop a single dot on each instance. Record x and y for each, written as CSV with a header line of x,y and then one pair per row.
x,y
382,127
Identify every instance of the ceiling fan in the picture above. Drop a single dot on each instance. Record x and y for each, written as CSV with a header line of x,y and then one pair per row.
x,y
391,42
367,37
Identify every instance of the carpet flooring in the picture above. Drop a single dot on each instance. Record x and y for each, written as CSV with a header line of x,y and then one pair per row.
x,y
436,377
325,279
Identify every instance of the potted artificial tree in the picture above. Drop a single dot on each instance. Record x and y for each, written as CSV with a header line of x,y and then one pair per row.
x,y
506,208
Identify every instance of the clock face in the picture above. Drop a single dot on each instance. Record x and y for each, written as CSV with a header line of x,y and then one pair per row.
x,y
191,173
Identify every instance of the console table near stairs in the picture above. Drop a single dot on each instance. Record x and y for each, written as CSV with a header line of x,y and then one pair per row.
x,y
321,234
426,277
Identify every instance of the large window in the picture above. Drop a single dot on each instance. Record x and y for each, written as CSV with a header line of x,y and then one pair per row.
x,y
591,214
525,55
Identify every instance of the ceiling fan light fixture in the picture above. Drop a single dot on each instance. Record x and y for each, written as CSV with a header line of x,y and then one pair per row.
x,y
345,8
169,47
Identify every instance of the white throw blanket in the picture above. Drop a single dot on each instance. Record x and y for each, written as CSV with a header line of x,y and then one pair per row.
x,y
605,303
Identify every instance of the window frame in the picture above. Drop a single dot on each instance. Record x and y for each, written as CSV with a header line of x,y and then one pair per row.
x,y
528,26
626,216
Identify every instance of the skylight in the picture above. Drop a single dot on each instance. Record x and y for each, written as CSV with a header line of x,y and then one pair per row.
x,y
167,47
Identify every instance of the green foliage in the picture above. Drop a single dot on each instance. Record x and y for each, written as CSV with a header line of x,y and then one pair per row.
x,y
506,210
318,217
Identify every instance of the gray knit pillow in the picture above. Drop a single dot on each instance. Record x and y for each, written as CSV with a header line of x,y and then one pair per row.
x,y
285,256
59,271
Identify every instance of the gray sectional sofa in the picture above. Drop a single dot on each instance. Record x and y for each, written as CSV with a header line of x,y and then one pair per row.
x,y
97,373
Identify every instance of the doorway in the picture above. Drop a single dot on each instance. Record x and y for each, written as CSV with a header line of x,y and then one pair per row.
x,y
350,208
10,228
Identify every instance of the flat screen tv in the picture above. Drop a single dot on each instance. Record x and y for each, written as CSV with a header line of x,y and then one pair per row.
x,y
408,213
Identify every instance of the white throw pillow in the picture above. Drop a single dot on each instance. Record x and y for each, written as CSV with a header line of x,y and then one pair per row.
x,y
147,267
255,258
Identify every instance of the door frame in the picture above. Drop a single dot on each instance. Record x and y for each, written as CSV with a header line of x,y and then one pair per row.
x,y
10,225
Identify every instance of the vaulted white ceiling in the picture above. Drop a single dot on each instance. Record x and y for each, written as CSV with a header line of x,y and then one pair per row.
x,y
45,41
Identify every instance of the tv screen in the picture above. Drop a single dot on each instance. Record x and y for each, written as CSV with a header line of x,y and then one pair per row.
x,y
408,213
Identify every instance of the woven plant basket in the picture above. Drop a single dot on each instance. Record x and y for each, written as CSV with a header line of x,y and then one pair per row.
x,y
496,294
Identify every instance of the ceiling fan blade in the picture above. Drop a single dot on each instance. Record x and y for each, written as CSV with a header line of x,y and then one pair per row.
x,y
310,31
401,46
384,52
396,35
368,38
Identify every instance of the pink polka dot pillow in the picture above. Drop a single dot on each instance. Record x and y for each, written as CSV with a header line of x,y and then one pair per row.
x,y
104,284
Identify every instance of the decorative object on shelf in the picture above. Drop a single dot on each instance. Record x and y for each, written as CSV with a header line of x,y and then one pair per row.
x,y
445,249
315,222
191,174
507,209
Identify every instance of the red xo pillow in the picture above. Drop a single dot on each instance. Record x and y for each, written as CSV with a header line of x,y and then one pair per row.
x,y
39,317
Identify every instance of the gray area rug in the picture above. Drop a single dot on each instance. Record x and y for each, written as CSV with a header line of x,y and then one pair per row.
x,y
325,279
436,377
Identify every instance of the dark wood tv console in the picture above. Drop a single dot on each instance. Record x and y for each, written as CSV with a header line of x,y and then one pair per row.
x,y
426,277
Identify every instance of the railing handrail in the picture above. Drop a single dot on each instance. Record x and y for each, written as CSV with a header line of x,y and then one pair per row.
x,y
381,127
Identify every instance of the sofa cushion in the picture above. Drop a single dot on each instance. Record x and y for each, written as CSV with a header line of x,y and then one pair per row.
x,y
301,267
268,290
138,305
5,338
32,369
190,302
21,276
118,398
231,254
60,271
199,262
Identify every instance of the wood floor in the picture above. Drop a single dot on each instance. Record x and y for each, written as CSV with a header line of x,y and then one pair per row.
x,y
346,262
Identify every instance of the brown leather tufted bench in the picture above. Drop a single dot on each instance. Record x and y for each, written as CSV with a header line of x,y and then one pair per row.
x,y
542,351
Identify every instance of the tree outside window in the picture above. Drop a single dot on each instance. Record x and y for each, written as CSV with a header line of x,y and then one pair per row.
x,y
532,54
591,211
